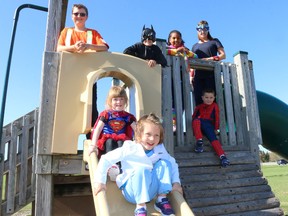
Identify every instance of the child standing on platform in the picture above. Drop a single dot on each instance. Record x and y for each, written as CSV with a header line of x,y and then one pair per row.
x,y
112,127
148,169
205,119
208,49
146,49
176,48
81,39
176,45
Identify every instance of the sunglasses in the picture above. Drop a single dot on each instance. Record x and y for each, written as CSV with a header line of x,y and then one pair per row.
x,y
202,29
81,14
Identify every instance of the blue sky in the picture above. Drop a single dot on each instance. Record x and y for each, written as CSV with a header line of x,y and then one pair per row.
x,y
257,27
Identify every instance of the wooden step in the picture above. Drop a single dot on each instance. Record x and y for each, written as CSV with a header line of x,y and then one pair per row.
x,y
194,177
237,208
72,186
189,194
239,189
212,169
222,200
264,212
192,159
210,185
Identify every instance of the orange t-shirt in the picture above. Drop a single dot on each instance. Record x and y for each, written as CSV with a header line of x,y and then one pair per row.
x,y
77,36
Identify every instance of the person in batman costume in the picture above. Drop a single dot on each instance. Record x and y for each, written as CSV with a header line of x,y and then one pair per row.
x,y
146,49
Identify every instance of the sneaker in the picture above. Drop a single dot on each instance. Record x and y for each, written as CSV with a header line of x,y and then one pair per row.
x,y
140,212
164,207
199,146
224,161
113,172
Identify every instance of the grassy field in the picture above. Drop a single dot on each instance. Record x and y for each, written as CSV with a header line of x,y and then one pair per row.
x,y
277,177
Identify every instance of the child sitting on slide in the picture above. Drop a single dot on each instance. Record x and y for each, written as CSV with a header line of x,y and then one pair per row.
x,y
113,126
148,169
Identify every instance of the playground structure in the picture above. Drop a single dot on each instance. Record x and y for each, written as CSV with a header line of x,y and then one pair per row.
x,y
50,170
274,123
61,183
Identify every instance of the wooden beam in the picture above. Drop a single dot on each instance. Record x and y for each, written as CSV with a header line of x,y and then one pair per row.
x,y
55,23
44,179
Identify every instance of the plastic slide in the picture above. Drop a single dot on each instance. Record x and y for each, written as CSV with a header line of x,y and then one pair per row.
x,y
274,123
112,202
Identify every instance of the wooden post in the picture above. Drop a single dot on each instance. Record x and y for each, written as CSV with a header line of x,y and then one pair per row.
x,y
12,171
44,178
220,102
237,106
242,90
55,22
250,103
167,109
24,162
176,79
166,105
44,183
187,97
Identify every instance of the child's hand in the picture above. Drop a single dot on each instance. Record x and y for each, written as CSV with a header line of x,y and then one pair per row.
x,y
98,187
151,63
80,46
92,148
177,187
181,49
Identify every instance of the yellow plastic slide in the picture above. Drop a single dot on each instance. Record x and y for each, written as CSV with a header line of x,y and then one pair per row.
x,y
112,202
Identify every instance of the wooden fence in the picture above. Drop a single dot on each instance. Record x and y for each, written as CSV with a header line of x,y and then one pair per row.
x,y
17,169
236,97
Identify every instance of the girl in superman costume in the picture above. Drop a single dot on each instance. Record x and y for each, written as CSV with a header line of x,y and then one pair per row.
x,y
114,125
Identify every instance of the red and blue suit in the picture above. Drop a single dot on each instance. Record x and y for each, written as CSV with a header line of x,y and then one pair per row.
x,y
117,129
205,120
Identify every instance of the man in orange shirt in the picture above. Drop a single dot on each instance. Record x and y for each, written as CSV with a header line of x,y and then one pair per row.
x,y
79,39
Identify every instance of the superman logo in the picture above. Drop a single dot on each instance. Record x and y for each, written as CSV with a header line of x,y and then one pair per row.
x,y
116,125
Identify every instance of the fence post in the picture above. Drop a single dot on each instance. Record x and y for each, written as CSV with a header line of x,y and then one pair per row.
x,y
249,102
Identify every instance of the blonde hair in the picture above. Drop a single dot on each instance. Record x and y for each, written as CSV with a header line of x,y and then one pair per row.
x,y
148,119
114,92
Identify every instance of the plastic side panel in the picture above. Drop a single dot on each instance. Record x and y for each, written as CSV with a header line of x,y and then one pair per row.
x,y
74,92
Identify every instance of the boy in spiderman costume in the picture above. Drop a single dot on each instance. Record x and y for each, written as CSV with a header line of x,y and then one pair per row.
x,y
205,119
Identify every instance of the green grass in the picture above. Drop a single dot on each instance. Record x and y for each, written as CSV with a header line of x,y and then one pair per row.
x,y
277,177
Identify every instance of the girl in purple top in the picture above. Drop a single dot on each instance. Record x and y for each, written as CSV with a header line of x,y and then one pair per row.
x,y
210,49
